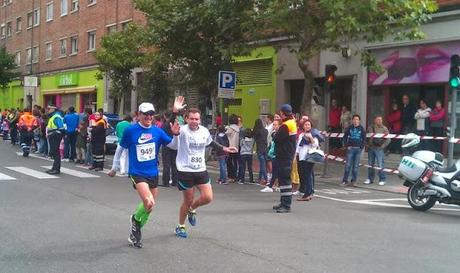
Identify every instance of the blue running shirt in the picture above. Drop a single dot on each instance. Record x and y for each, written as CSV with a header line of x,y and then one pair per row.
x,y
143,145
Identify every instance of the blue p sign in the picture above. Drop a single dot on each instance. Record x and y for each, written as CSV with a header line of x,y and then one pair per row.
x,y
227,80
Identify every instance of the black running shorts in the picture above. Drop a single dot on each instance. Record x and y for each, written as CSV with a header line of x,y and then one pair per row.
x,y
187,180
152,181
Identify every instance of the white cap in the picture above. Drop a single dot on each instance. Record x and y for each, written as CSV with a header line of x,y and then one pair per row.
x,y
146,107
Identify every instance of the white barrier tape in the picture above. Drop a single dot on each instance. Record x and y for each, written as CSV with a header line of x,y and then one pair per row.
x,y
390,136
342,160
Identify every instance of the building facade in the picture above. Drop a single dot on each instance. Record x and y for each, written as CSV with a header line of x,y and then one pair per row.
x,y
55,40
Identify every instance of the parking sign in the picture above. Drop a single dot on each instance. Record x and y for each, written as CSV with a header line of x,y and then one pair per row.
x,y
227,83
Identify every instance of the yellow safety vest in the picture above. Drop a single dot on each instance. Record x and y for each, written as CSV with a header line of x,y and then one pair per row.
x,y
51,125
292,126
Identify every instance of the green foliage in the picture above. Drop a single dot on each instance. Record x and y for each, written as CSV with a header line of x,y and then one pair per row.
x,y
8,69
199,37
318,25
119,54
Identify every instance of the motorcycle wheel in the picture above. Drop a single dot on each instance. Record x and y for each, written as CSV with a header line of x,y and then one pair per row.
x,y
417,202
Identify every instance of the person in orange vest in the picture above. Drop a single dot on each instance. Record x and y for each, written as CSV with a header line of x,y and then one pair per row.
x,y
27,124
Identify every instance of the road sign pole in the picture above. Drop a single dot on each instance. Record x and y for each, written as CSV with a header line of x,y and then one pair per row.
x,y
327,99
453,125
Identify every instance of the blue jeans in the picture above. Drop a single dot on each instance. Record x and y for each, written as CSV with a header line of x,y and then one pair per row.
x,y
262,166
376,158
353,156
223,169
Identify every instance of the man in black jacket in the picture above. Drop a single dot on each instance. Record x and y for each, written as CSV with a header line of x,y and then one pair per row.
x,y
168,155
285,142
408,112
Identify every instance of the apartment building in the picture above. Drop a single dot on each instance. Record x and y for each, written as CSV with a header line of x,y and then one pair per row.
x,y
55,41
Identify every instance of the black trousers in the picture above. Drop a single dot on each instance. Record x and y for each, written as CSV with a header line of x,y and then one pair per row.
x,y
437,144
26,141
232,165
285,183
168,157
72,141
13,133
307,177
55,140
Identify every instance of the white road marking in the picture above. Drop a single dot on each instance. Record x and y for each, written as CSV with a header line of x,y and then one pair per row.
x,y
32,172
6,177
382,203
36,156
74,172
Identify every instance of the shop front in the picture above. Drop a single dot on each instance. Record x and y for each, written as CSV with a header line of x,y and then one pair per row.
x,y
79,89
255,89
421,72
12,96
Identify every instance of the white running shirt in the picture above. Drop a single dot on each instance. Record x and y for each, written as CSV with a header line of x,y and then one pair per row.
x,y
191,147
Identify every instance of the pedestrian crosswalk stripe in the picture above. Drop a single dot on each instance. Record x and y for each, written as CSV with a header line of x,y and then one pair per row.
x,y
6,177
74,172
31,172
106,171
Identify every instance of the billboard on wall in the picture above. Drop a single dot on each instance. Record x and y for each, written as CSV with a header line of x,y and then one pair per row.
x,y
429,63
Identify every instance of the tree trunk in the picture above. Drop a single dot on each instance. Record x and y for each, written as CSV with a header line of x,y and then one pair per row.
x,y
307,92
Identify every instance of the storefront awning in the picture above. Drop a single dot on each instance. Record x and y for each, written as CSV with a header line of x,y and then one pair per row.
x,y
84,89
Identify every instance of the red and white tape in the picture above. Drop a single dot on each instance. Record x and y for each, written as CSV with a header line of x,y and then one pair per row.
x,y
390,136
343,160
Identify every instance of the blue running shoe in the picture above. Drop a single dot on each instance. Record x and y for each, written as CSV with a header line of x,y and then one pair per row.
x,y
192,217
181,232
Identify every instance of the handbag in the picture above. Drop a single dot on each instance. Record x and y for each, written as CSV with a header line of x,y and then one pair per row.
x,y
315,156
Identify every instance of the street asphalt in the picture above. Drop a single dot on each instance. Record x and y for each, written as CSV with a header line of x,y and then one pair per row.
x,y
79,222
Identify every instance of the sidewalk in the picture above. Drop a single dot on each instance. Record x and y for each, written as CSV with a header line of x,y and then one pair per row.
x,y
335,171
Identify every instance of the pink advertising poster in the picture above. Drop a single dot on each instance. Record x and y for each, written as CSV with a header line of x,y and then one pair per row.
x,y
414,65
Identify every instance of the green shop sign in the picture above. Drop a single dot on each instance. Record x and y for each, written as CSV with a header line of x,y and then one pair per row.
x,y
67,79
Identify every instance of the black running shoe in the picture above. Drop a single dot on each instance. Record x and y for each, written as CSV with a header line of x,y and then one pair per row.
x,y
275,207
283,209
135,237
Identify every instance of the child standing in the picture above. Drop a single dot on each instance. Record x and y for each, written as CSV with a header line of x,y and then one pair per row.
x,y
82,136
222,139
246,150
6,129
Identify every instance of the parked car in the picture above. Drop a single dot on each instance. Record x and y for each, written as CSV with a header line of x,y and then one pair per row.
x,y
111,139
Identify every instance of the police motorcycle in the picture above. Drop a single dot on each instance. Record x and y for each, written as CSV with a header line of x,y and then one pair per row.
x,y
427,179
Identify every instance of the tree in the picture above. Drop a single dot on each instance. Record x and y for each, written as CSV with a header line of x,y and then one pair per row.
x,y
316,25
119,54
199,37
8,68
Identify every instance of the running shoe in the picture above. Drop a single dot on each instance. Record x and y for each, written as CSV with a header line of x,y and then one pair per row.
x,y
180,231
267,189
136,236
191,217
276,207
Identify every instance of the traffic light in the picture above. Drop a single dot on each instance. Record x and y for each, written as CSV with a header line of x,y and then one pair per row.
x,y
330,76
454,79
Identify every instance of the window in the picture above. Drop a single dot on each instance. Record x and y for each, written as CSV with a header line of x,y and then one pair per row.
x,y
73,45
29,56
30,20
91,40
64,7
18,24
35,54
8,29
111,28
48,51
2,31
49,11
63,47
91,2
125,24
36,17
17,58
74,6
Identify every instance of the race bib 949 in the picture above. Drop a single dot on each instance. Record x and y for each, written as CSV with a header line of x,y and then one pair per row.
x,y
145,152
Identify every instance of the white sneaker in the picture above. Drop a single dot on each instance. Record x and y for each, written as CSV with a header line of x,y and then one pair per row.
x,y
296,193
276,189
65,160
382,183
367,182
267,189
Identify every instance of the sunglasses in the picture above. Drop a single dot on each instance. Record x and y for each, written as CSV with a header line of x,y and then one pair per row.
x,y
149,113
